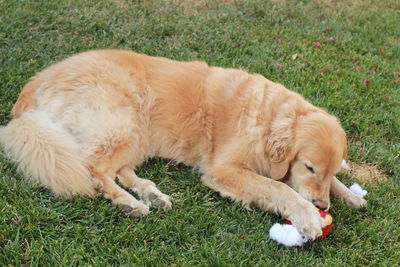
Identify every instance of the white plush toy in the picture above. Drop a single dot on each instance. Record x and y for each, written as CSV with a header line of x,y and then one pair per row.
x,y
358,190
355,188
345,166
288,234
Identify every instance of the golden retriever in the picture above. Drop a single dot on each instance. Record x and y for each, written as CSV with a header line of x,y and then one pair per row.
x,y
96,116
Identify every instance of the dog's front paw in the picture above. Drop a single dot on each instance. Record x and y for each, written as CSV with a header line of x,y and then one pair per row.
x,y
356,201
307,220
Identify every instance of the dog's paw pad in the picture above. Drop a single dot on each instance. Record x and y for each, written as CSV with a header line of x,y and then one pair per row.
x,y
159,204
135,214
160,201
152,197
137,210
126,208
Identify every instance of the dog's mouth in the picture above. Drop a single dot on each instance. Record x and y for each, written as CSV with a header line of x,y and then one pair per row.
x,y
321,204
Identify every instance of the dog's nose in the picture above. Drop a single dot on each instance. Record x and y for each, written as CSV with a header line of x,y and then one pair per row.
x,y
320,204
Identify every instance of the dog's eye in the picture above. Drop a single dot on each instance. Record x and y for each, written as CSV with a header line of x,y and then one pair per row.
x,y
311,169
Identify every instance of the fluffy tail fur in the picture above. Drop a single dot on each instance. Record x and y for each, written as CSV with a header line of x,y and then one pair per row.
x,y
46,154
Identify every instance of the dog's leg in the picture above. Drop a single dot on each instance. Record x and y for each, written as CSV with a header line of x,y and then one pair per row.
x,y
146,189
269,195
104,165
120,197
340,190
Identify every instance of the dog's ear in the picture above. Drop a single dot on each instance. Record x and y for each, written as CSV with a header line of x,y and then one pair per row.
x,y
278,148
279,170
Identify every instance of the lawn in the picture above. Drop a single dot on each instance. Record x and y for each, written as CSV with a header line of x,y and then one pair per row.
x,y
341,55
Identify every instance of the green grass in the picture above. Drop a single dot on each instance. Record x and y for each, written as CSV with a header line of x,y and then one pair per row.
x,y
203,229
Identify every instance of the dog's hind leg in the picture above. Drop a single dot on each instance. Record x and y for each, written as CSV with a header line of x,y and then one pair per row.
x,y
104,166
146,189
129,204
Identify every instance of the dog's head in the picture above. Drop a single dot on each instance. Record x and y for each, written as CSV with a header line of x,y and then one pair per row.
x,y
307,152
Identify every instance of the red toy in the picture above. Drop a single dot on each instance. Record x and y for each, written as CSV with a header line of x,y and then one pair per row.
x,y
329,219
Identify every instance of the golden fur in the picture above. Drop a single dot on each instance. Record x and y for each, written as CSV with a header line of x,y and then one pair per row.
x,y
97,115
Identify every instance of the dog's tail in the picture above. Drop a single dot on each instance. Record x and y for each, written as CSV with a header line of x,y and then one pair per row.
x,y
46,154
